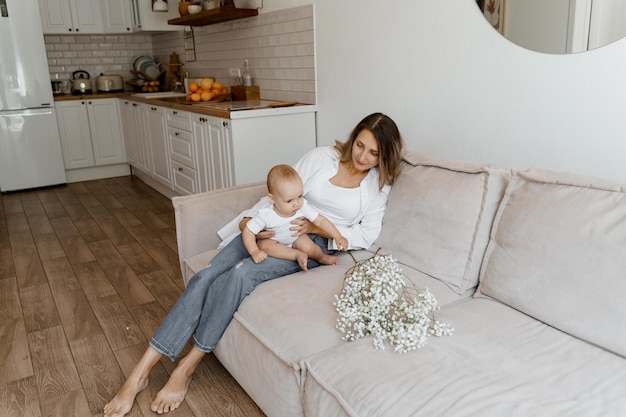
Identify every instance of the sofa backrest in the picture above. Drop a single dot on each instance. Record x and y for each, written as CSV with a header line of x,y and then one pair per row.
x,y
439,216
558,253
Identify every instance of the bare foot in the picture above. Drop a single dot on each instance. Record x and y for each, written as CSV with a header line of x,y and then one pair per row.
x,y
302,259
328,260
123,401
173,393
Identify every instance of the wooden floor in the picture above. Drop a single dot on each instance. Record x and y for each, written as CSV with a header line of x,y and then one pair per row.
x,y
87,272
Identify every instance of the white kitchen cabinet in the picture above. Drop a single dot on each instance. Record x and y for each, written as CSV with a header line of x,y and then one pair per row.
x,y
71,16
104,16
214,152
117,16
91,133
131,144
261,139
193,152
157,135
146,20
185,177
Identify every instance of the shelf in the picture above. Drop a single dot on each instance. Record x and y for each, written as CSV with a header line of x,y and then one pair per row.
x,y
210,17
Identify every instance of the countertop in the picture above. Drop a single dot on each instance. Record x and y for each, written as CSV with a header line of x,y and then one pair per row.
x,y
253,108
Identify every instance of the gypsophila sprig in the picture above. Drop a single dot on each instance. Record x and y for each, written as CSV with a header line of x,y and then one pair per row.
x,y
376,300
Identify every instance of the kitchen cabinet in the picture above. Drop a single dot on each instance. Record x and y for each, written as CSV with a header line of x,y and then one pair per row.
x,y
117,16
103,16
144,19
157,136
71,16
214,151
146,140
91,133
183,159
261,139
132,125
194,152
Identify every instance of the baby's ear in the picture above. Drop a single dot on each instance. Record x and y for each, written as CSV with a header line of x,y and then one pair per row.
x,y
271,197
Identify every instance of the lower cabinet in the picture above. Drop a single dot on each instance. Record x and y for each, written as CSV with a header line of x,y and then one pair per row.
x,y
190,152
146,140
158,141
214,151
91,133
183,159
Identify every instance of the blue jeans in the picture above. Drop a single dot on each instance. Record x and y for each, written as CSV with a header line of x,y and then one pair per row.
x,y
212,296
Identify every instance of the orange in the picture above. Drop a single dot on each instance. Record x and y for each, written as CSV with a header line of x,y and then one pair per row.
x,y
206,83
206,96
195,97
224,90
217,84
193,87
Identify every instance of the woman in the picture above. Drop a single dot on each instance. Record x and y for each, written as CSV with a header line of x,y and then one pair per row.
x,y
348,183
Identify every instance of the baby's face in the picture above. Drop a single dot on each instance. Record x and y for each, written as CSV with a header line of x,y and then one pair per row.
x,y
288,198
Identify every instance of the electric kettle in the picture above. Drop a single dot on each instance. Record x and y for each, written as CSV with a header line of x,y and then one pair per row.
x,y
81,83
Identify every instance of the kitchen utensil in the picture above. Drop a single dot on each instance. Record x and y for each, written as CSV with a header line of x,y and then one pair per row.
x,y
110,83
194,8
57,86
81,83
160,6
190,44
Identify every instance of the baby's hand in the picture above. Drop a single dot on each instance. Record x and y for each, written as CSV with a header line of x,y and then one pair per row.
x,y
259,256
342,243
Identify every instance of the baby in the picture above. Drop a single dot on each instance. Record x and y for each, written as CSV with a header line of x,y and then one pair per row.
x,y
285,191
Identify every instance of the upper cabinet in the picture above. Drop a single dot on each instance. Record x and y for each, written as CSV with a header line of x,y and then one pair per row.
x,y
103,16
71,16
149,21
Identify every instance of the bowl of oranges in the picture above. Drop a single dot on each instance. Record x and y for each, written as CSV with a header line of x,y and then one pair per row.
x,y
205,89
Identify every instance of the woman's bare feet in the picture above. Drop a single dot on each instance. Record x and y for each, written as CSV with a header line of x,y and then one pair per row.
x,y
123,401
173,393
137,381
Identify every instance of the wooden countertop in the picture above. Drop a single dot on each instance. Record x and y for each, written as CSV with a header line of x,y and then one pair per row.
x,y
180,103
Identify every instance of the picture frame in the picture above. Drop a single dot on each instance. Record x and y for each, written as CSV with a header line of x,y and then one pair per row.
x,y
494,12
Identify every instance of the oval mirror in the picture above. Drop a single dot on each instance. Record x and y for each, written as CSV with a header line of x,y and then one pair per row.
x,y
557,26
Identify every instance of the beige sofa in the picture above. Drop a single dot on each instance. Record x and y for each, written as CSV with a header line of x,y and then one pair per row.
x,y
528,267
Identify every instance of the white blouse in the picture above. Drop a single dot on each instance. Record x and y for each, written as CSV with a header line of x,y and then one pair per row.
x,y
359,219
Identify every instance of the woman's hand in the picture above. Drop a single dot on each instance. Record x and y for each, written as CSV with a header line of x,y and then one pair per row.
x,y
302,226
263,234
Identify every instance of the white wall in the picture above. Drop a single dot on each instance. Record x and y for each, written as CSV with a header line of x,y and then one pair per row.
x,y
459,90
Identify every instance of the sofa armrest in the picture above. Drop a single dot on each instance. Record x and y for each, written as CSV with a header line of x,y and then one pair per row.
x,y
199,216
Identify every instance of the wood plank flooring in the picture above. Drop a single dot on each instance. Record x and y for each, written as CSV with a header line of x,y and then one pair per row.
x,y
87,273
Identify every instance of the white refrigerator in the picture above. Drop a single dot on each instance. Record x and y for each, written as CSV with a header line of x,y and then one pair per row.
x,y
30,147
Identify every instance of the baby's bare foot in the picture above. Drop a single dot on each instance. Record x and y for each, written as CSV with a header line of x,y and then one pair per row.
x,y
302,259
328,260
123,401
172,394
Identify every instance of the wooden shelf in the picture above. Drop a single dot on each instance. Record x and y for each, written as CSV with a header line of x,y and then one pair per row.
x,y
210,17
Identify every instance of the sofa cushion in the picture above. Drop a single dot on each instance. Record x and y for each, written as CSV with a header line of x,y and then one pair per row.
x,y
439,216
288,319
497,363
558,253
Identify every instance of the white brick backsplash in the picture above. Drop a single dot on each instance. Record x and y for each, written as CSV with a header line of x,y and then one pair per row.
x,y
280,46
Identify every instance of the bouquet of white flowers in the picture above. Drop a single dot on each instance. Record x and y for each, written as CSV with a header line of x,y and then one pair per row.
x,y
376,300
